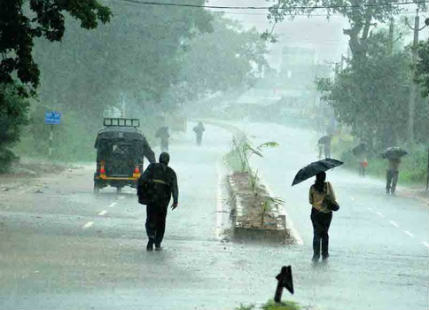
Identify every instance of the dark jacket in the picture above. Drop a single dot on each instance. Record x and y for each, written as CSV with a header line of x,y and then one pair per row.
x,y
147,152
164,182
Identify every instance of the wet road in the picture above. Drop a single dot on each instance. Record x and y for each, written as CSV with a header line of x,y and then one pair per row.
x,y
379,245
62,247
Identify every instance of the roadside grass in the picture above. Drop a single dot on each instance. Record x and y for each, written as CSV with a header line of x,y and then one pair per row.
x,y
412,171
271,305
232,160
287,305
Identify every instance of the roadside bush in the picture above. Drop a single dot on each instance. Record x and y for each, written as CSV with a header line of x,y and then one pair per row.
x,y
13,116
287,305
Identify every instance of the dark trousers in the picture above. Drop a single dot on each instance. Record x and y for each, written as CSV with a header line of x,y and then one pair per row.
x,y
155,222
199,139
164,145
391,180
321,222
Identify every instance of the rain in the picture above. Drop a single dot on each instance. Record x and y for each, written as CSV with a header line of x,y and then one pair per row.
x,y
214,154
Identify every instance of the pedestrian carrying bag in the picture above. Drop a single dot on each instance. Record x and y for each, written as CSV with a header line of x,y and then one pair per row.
x,y
145,192
329,202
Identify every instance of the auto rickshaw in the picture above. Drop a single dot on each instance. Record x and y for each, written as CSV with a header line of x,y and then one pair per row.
x,y
120,148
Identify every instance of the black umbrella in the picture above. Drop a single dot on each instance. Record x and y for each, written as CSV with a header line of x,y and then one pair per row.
x,y
394,152
359,149
314,168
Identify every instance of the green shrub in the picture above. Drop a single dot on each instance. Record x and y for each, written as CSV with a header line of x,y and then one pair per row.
x,y
287,305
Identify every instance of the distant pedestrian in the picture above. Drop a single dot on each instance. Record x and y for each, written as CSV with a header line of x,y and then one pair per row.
x,y
199,129
163,181
324,144
164,135
321,216
392,175
361,153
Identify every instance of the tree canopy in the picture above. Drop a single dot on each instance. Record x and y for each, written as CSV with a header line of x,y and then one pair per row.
x,y
22,21
372,97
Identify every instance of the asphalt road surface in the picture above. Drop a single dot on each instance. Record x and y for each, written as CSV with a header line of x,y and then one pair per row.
x,y
62,247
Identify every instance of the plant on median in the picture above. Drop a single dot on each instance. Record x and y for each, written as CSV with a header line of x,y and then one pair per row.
x,y
287,305
242,151
244,307
267,205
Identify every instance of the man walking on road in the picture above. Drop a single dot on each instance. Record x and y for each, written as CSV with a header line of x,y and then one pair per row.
x,y
392,175
199,129
164,135
163,181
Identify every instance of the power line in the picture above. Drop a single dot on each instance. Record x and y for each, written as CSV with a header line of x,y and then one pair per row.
x,y
189,5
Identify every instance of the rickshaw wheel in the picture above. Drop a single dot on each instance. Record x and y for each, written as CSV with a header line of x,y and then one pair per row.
x,y
96,189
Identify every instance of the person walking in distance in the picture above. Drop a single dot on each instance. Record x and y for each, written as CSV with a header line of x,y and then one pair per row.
x,y
163,182
199,129
321,216
392,175
163,134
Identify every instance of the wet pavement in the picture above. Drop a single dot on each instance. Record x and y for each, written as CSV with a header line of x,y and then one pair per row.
x,y
62,247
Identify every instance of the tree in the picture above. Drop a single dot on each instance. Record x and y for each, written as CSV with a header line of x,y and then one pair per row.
x,y
227,58
422,67
13,111
136,56
22,21
370,97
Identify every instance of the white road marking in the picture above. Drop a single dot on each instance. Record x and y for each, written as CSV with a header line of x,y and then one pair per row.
x,y
113,204
380,214
408,233
102,212
121,197
370,209
425,244
87,225
394,223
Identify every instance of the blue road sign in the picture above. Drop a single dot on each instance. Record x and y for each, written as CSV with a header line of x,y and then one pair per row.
x,y
52,118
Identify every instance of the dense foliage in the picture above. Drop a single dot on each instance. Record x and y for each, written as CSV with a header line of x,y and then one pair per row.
x,y
13,115
225,59
20,23
372,96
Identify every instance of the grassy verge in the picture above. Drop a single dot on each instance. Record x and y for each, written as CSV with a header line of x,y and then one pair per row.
x,y
271,305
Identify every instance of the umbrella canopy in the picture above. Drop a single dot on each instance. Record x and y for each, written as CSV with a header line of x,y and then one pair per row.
x,y
359,149
314,168
325,139
394,152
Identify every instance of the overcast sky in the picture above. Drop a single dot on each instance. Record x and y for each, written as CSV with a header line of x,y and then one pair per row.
x,y
323,35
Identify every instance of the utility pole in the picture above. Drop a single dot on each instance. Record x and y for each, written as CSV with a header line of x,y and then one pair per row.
x,y
413,89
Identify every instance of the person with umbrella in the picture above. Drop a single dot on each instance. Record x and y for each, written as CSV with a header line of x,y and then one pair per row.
x,y
323,202
393,155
